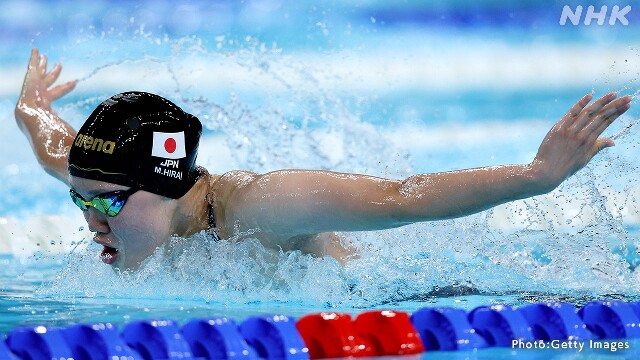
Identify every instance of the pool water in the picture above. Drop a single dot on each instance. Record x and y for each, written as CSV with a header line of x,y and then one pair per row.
x,y
364,87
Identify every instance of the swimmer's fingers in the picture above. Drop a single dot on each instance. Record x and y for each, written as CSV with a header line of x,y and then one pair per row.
x,y
51,77
32,77
33,69
42,66
607,116
34,60
36,69
48,77
591,111
598,127
577,108
601,144
61,89
36,87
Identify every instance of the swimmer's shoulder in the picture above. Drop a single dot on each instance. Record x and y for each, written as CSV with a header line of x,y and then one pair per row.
x,y
230,182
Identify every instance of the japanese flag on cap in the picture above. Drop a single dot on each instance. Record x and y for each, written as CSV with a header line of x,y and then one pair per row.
x,y
168,145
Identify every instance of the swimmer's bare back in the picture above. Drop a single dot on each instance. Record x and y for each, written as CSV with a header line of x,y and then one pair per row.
x,y
224,191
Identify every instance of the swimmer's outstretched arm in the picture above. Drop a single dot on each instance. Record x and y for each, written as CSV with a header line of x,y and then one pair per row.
x,y
306,202
49,135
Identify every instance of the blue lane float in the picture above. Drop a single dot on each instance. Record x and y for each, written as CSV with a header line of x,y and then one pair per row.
x,y
274,337
157,339
555,321
610,320
97,341
635,306
39,343
5,353
277,336
500,325
446,329
217,339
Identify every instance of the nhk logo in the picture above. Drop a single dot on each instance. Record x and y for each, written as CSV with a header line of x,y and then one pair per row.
x,y
574,16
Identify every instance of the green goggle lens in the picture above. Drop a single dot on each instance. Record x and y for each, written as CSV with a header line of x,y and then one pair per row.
x,y
109,203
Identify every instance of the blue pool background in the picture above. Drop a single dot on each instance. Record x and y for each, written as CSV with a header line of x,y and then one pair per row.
x,y
382,88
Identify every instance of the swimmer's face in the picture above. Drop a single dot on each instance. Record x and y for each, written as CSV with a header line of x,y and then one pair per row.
x,y
143,224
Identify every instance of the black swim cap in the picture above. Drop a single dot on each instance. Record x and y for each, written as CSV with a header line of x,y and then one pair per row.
x,y
140,140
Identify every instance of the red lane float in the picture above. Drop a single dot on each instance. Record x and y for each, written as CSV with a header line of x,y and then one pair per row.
x,y
372,333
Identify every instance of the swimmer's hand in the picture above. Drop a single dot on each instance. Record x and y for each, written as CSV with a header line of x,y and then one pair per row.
x,y
36,92
49,135
573,141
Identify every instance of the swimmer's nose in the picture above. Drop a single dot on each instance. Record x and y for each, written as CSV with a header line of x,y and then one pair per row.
x,y
97,221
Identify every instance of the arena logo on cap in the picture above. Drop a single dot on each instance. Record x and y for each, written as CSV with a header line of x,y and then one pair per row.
x,y
168,145
97,144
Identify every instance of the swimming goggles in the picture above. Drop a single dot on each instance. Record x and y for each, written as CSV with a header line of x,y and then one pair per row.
x,y
109,203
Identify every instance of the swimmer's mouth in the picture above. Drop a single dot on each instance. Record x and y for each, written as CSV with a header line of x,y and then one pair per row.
x,y
109,255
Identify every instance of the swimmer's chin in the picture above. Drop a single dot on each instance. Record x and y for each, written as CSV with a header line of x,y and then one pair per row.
x,y
121,269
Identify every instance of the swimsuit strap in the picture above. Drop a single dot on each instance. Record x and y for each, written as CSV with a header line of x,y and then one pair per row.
x,y
212,224
210,200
